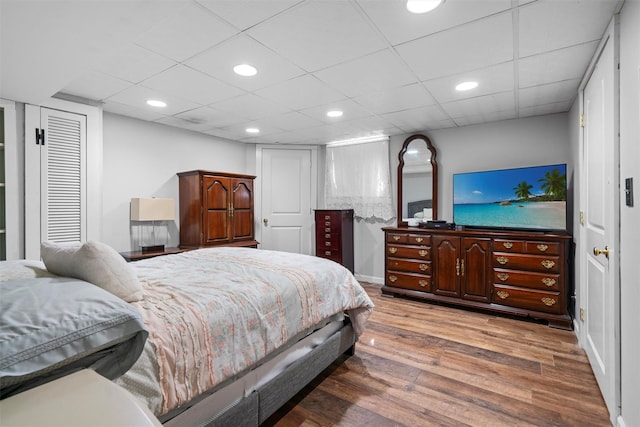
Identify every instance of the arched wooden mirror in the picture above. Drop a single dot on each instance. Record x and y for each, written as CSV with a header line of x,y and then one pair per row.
x,y
417,180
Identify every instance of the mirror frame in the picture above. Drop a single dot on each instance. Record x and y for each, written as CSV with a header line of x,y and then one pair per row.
x,y
434,181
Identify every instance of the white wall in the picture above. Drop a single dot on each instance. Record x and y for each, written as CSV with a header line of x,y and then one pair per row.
x,y
141,159
506,144
630,216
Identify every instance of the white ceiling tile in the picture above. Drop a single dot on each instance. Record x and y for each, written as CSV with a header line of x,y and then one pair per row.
x,y
396,99
210,117
190,84
246,14
566,90
493,79
468,47
95,86
293,121
399,25
550,24
174,121
539,110
564,64
487,104
485,117
250,106
319,34
137,96
350,109
129,111
374,72
185,33
220,60
301,92
417,118
134,63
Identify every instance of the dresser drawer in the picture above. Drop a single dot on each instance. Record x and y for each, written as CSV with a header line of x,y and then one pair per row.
x,y
414,266
411,239
526,262
529,299
415,252
328,236
526,247
528,279
416,282
332,254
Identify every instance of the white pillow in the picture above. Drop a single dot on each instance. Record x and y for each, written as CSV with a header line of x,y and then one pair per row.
x,y
94,262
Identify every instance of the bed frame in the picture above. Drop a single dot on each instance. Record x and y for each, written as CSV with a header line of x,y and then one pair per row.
x,y
257,407
417,206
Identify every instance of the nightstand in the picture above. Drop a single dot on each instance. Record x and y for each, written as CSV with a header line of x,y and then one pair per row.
x,y
138,255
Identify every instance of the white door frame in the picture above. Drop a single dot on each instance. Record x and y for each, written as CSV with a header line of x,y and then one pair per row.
x,y
611,35
258,183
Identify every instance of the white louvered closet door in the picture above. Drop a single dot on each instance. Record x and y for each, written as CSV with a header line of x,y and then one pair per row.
x,y
55,178
63,191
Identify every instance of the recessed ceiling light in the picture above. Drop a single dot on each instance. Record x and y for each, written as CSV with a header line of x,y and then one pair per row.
x,y
245,70
334,113
252,130
156,103
467,86
423,6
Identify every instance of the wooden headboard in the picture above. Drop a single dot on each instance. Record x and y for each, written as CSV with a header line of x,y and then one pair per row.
x,y
417,206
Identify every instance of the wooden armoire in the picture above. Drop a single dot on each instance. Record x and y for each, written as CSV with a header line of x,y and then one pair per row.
x,y
216,209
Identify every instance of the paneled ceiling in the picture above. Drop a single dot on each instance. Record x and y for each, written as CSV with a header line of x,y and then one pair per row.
x,y
390,72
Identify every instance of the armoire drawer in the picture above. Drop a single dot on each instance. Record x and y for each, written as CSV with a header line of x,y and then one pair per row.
x,y
529,299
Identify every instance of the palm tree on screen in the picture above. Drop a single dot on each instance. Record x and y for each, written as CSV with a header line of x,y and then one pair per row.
x,y
554,184
523,190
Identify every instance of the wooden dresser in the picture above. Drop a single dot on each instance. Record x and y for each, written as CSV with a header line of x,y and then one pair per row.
x,y
334,235
216,209
519,273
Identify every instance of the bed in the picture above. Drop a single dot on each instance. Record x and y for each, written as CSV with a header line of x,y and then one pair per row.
x,y
234,333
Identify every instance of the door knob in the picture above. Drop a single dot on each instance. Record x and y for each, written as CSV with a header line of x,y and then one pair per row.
x,y
266,222
598,251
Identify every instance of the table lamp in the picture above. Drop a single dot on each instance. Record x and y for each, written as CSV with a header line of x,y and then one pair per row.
x,y
152,209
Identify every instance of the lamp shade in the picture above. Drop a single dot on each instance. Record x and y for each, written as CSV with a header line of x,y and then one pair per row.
x,y
152,209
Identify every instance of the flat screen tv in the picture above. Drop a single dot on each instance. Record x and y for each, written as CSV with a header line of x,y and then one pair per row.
x,y
528,198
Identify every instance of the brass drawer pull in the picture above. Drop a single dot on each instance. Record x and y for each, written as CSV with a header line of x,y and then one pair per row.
x,y
547,263
502,260
423,267
327,230
507,245
548,301
423,252
327,223
423,283
419,239
548,281
503,294
503,276
393,250
396,238
542,248
392,279
327,243
327,252
327,217
327,236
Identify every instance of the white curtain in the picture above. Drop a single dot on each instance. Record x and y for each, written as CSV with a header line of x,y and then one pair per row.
x,y
357,177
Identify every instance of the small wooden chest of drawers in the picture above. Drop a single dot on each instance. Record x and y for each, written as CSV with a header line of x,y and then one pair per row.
x,y
334,235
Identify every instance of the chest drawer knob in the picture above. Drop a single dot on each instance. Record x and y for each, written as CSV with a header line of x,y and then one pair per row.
x,y
507,245
547,263
502,294
393,250
542,248
396,238
548,301
327,223
502,260
392,279
327,217
327,236
327,243
548,281
503,276
423,267
419,239
327,230
423,252
327,252
423,283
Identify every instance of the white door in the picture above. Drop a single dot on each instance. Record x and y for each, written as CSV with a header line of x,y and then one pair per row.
x,y
55,178
287,196
599,251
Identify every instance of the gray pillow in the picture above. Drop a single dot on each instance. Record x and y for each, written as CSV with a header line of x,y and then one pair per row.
x,y
96,263
50,327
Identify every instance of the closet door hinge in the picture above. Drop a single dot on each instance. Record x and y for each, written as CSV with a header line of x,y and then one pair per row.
x,y
582,120
39,136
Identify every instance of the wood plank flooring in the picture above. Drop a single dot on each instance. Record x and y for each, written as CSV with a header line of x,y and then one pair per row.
x,y
420,364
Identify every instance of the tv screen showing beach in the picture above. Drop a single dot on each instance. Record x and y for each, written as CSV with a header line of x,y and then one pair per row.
x,y
529,198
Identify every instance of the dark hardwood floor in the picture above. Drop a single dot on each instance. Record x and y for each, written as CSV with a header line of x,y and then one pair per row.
x,y
420,364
